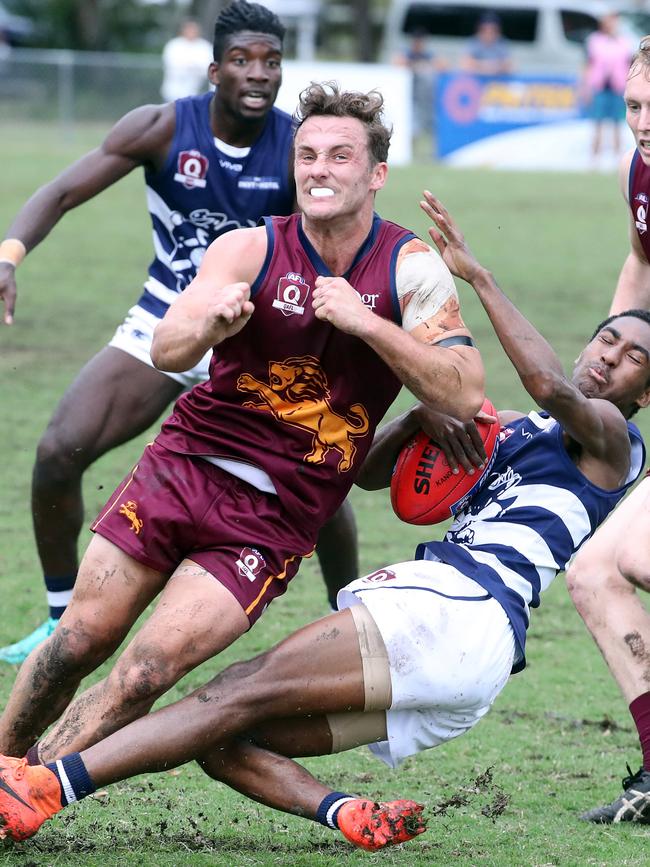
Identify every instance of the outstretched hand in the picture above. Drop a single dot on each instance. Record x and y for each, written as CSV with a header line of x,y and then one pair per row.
x,y
449,240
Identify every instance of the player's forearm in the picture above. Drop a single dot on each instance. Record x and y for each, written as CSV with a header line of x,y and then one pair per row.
x,y
450,381
179,345
37,218
633,287
534,359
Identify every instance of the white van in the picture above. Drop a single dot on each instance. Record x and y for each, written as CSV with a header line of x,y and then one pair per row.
x,y
543,35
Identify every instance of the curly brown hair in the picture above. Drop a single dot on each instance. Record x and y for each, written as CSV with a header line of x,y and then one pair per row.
x,y
329,99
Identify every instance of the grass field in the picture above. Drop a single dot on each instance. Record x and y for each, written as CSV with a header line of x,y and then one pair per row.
x,y
557,740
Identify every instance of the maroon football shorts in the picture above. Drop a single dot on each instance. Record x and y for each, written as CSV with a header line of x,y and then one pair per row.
x,y
173,507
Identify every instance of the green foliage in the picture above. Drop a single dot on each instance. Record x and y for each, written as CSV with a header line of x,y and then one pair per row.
x,y
97,25
556,742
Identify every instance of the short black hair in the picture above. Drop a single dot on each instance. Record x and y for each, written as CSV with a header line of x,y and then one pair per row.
x,y
644,315
241,15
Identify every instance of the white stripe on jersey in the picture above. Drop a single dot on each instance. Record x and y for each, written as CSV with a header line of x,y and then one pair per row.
x,y
563,503
159,290
541,422
158,207
519,537
511,578
161,254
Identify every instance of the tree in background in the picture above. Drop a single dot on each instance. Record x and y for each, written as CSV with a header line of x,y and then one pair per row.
x,y
94,25
133,25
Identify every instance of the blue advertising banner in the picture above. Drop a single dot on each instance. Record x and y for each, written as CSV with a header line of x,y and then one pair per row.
x,y
470,108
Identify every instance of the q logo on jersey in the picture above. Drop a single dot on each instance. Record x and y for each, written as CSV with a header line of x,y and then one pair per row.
x,y
641,213
380,576
250,563
192,169
292,294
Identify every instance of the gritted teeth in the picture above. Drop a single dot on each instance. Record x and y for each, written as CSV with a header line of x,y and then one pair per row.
x,y
321,192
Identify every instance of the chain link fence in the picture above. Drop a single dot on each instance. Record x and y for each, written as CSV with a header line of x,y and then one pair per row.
x,y
74,86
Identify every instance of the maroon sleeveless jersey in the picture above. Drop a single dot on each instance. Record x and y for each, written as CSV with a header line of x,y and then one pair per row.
x,y
292,394
639,193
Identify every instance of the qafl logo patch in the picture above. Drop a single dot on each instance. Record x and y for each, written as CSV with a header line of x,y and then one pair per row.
x,y
250,563
293,292
641,213
192,167
380,576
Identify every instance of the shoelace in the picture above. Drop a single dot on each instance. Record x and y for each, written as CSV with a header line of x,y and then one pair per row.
x,y
632,778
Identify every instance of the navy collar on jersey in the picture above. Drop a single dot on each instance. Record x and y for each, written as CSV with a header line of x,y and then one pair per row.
x,y
320,267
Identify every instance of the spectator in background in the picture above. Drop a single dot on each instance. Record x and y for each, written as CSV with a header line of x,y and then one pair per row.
x,y
5,46
487,53
423,64
605,74
186,58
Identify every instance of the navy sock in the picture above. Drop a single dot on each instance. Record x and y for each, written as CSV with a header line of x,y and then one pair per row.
x,y
59,593
328,812
73,778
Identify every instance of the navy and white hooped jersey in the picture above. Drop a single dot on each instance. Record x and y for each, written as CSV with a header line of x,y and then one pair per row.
x,y
202,192
532,514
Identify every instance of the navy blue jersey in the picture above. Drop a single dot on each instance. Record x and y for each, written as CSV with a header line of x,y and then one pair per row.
x,y
202,192
529,518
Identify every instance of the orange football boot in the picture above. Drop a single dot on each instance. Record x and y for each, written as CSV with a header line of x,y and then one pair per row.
x,y
29,794
373,825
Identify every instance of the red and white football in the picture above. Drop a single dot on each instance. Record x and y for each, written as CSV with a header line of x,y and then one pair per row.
x,y
424,490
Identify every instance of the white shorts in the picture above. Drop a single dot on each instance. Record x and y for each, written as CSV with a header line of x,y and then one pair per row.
x,y
135,335
450,650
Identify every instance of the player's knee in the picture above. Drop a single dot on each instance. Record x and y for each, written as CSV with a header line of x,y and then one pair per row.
x,y
58,458
593,585
75,650
142,678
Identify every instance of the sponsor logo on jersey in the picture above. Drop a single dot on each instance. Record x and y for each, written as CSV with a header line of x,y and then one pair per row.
x,y
292,294
192,167
129,510
253,182
250,563
297,393
370,300
232,167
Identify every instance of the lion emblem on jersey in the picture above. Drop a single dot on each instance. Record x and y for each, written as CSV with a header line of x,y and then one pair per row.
x,y
129,510
298,393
